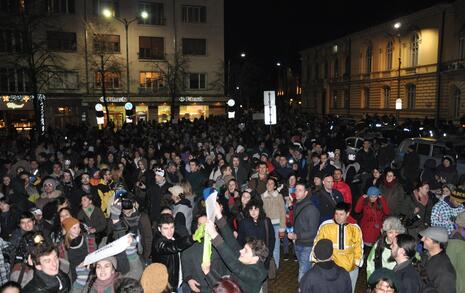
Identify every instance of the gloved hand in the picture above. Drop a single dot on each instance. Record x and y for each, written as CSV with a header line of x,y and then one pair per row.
x,y
115,211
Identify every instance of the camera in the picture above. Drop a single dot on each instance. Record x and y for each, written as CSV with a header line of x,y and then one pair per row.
x,y
127,204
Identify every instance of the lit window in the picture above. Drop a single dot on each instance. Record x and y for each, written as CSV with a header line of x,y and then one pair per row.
x,y
112,80
414,48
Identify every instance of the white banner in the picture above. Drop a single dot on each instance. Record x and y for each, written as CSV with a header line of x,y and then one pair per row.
x,y
108,250
210,206
270,115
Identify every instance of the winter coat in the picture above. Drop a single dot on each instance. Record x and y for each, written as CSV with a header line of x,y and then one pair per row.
x,y
409,278
42,282
386,259
306,220
441,273
154,196
395,197
96,220
184,207
367,160
167,252
191,267
411,166
326,277
455,251
344,189
273,204
422,218
373,216
326,202
449,174
249,228
249,276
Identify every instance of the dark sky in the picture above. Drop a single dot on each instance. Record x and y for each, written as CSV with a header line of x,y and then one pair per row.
x,y
272,30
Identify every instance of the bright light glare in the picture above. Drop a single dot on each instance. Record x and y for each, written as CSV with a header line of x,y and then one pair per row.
x,y
278,64
243,55
107,12
397,25
144,14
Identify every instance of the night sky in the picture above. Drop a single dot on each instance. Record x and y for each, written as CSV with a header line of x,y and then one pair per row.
x,y
271,31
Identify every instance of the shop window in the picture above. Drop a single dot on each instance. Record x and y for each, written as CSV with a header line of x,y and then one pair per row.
x,y
112,5
155,11
164,113
151,48
106,43
197,81
14,80
194,14
193,112
150,81
61,41
112,80
61,6
194,46
63,80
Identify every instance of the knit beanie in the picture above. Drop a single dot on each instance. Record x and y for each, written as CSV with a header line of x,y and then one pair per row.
x,y
323,250
68,223
155,278
111,259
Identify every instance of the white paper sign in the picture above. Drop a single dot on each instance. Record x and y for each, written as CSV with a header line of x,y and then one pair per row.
x,y
108,250
270,115
210,205
269,98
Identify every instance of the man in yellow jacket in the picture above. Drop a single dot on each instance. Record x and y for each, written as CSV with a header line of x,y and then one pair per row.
x,y
347,241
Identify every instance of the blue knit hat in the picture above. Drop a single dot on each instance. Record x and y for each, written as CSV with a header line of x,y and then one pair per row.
x,y
373,191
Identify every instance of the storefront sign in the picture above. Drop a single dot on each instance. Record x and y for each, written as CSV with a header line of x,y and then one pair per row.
x,y
191,99
115,99
41,104
15,101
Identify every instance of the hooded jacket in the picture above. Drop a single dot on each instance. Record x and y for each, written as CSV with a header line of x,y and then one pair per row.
x,y
42,282
326,277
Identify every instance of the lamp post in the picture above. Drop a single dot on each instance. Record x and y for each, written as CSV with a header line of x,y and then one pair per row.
x,y
397,27
109,14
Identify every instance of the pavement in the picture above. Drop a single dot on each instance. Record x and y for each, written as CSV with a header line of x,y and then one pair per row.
x,y
286,281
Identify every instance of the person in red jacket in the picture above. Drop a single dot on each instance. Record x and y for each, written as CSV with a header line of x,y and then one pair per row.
x,y
374,210
342,187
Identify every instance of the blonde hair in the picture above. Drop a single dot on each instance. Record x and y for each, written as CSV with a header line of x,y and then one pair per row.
x,y
186,187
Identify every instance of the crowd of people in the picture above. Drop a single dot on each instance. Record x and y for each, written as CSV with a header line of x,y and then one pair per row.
x,y
291,193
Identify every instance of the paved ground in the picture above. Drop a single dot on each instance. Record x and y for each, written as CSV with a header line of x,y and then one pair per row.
x,y
286,281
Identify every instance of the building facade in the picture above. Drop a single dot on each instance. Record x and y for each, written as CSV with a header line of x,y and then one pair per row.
x,y
418,58
175,51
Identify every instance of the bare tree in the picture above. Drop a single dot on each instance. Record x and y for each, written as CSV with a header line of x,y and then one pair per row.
x,y
218,83
30,21
173,72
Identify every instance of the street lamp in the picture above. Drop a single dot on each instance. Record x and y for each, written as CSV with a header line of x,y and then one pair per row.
x,y
109,14
243,55
278,64
397,27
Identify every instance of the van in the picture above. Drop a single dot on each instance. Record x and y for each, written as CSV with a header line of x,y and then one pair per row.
x,y
431,148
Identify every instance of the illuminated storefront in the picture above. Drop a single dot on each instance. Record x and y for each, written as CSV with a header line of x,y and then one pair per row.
x,y
16,111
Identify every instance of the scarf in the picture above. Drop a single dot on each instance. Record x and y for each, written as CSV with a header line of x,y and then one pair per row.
x,y
88,211
390,184
102,286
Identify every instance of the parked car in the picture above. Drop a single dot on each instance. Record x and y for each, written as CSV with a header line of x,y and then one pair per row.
x,y
432,148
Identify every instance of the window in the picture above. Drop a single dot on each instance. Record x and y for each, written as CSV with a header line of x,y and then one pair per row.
x,y
11,41
61,6
386,96
112,5
462,46
151,48
423,149
61,41
335,101
150,81
411,96
194,46
346,99
156,14
13,80
414,46
457,94
194,14
389,55
368,59
336,68
112,79
325,69
63,80
106,43
196,81
347,66
317,71
366,98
